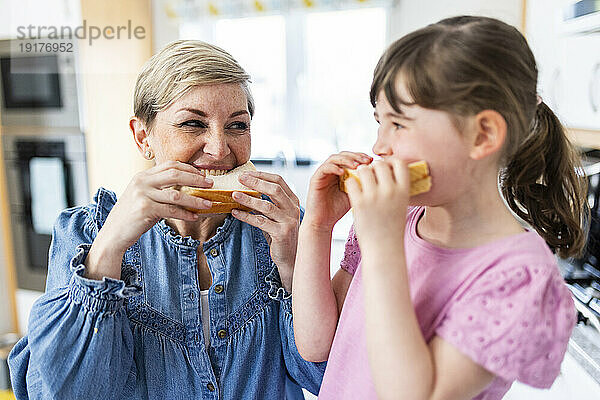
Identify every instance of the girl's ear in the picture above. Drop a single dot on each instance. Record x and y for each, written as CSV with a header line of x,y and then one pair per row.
x,y
490,134
140,133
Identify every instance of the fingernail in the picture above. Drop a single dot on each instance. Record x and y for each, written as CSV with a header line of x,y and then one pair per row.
x,y
236,195
207,203
208,180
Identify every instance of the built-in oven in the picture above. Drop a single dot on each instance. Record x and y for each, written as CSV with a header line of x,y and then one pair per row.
x,y
45,175
38,88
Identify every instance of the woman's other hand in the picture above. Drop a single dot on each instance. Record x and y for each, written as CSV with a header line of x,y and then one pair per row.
x,y
148,198
279,219
326,203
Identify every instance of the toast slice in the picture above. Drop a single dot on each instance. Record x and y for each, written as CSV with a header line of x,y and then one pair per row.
x,y
420,181
223,187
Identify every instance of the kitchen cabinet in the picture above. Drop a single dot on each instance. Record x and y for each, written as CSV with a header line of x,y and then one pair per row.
x,y
569,66
580,107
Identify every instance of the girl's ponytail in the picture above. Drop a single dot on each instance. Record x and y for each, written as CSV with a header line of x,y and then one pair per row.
x,y
543,184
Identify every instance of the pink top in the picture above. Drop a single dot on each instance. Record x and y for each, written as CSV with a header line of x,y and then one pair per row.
x,y
503,304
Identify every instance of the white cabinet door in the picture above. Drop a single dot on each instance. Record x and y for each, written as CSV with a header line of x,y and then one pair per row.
x,y
568,64
581,66
546,42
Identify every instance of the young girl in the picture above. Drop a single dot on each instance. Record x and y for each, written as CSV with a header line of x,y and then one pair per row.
x,y
445,295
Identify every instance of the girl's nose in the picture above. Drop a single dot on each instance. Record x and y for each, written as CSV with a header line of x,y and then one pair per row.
x,y
382,146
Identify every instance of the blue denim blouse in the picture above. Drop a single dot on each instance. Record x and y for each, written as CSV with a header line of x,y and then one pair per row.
x,y
141,337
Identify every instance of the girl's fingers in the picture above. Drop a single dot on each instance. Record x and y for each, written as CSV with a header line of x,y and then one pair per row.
x,y
401,172
367,178
383,173
348,159
354,190
332,169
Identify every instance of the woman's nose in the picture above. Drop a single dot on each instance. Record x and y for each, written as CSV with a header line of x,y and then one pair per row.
x,y
216,145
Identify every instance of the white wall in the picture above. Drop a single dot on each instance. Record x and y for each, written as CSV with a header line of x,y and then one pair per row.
x,y
409,15
14,13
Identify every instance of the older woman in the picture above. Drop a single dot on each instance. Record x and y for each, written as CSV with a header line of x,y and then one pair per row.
x,y
146,300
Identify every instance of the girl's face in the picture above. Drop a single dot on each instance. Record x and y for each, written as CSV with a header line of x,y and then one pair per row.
x,y
423,134
208,127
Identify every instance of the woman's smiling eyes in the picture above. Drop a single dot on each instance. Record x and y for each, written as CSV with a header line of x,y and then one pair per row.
x,y
192,123
242,126
196,123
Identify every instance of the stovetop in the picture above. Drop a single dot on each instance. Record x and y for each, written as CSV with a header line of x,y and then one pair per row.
x,y
583,279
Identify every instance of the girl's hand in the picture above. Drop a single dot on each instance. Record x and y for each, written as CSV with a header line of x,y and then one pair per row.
x,y
379,206
279,220
326,203
149,198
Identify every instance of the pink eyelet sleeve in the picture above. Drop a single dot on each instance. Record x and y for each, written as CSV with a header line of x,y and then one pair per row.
x,y
351,257
515,321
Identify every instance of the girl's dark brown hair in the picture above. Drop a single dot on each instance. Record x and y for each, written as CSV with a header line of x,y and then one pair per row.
x,y
464,65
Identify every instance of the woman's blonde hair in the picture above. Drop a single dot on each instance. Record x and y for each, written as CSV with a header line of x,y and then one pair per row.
x,y
178,67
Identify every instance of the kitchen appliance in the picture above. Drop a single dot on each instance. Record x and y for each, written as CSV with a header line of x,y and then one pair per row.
x,y
38,88
45,174
582,275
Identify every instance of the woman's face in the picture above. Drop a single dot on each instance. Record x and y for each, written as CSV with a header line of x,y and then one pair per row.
x,y
208,128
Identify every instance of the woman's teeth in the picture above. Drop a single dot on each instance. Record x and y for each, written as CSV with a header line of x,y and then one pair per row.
x,y
213,172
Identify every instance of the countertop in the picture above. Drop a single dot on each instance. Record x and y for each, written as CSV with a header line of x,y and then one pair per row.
x,y
584,347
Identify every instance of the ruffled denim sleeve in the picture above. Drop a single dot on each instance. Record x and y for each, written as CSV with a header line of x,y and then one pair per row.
x,y
306,374
79,343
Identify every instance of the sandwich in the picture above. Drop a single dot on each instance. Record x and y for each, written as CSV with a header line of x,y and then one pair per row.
x,y
420,181
220,193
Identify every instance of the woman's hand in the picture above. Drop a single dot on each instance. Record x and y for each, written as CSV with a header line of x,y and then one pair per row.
x,y
279,220
379,203
326,203
147,199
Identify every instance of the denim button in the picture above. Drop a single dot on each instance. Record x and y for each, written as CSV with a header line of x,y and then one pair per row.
x,y
222,334
219,289
210,387
214,252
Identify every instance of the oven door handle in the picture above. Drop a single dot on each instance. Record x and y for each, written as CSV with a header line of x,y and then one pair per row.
x,y
586,312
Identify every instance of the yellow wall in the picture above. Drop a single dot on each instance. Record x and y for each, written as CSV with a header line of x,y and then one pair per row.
x,y
109,69
8,275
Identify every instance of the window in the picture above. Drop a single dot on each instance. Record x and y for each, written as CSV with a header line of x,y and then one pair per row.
x,y
311,74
